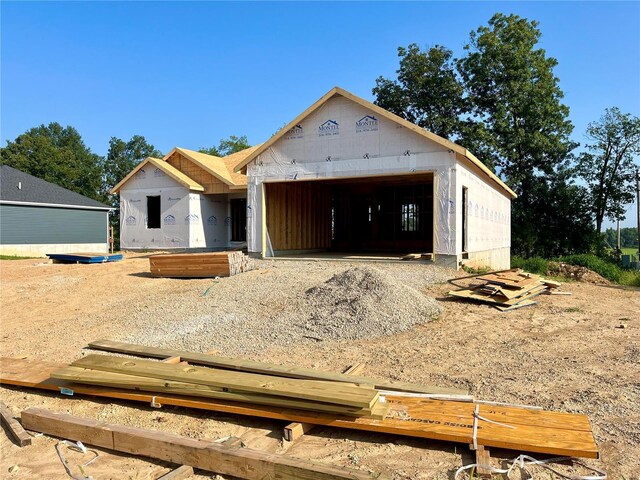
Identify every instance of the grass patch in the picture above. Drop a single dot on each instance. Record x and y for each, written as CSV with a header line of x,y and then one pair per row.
x,y
14,257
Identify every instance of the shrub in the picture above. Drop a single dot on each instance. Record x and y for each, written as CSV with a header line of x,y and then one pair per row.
x,y
602,266
532,265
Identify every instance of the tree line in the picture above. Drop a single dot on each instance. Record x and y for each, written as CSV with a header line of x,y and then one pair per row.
x,y
501,100
58,155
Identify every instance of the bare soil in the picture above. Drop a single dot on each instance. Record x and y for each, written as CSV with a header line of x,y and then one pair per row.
x,y
578,353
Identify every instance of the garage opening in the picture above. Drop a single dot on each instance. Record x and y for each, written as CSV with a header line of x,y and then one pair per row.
x,y
365,215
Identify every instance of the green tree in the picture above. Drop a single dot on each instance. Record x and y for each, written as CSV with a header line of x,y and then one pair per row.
x,y
427,91
58,155
123,157
227,146
607,165
518,118
562,224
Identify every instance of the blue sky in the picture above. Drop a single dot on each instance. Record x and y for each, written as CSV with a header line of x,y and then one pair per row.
x,y
188,74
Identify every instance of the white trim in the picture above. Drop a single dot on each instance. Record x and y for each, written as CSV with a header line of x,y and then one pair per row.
x,y
58,205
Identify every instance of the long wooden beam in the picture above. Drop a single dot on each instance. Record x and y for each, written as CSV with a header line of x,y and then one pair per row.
x,y
336,393
214,457
267,368
131,382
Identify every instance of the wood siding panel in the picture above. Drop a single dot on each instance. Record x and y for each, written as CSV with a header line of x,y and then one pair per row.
x,y
298,215
210,183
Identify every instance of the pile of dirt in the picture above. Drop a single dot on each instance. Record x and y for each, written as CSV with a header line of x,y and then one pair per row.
x,y
582,274
363,302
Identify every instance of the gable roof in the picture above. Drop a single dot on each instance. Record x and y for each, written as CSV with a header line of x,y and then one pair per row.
x,y
231,161
20,187
210,163
168,169
462,152
220,167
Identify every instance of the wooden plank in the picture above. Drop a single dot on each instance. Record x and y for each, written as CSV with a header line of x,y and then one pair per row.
x,y
561,433
337,393
483,462
131,382
180,473
267,368
13,427
295,430
214,457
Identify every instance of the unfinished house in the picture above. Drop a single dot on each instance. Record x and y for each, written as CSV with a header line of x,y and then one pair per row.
x,y
187,200
348,176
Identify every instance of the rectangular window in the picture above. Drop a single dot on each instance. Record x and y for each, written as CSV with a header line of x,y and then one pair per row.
x,y
153,212
238,220
410,217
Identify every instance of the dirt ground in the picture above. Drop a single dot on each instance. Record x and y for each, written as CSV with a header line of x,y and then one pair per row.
x,y
578,353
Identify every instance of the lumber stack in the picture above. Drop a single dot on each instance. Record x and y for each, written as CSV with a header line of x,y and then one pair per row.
x,y
337,398
199,265
507,290
499,426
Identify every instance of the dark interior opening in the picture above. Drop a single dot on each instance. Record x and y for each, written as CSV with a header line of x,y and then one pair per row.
x,y
153,212
373,214
238,220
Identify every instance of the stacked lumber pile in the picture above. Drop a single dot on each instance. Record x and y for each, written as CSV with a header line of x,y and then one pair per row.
x,y
458,418
507,290
199,265
336,398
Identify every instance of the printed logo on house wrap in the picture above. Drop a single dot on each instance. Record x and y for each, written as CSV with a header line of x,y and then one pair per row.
x,y
130,220
295,132
158,173
191,219
227,222
169,220
141,173
212,220
368,123
329,128
173,199
137,200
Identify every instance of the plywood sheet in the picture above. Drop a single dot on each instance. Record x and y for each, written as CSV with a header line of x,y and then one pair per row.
x,y
519,429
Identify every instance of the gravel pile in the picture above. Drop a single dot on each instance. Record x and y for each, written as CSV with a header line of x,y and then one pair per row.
x,y
363,302
283,304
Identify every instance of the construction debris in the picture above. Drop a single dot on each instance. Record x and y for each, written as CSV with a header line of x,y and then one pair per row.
x,y
508,290
199,265
13,427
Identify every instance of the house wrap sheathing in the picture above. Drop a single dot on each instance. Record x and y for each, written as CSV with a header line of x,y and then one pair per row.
x,y
187,200
348,175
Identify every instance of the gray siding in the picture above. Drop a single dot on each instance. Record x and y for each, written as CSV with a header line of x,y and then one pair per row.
x,y
24,225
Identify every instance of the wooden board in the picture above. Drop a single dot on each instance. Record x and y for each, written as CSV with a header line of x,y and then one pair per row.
x,y
13,427
538,431
131,382
268,368
238,462
334,393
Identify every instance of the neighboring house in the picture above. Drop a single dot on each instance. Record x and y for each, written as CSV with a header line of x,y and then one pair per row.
x,y
345,176
349,176
187,200
38,217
